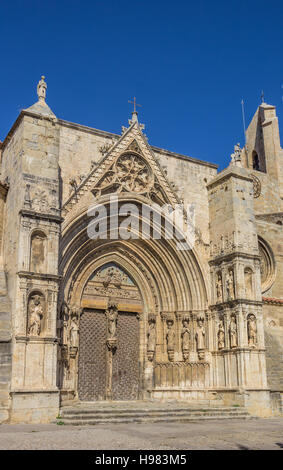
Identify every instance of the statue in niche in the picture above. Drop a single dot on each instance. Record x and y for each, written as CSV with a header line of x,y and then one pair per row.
x,y
219,292
186,338
233,333
248,283
252,331
74,332
170,339
221,335
65,322
35,313
37,263
230,285
200,337
151,338
112,317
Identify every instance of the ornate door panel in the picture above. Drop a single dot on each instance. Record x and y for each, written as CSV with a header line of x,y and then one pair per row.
x,y
94,366
92,356
125,378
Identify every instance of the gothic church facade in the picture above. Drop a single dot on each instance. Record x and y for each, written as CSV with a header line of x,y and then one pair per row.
x,y
87,319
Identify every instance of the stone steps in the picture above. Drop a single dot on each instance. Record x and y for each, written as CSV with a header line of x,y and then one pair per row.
x,y
151,414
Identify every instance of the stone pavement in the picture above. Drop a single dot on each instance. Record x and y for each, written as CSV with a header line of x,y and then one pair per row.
x,y
239,434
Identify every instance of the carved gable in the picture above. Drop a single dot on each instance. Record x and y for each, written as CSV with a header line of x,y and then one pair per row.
x,y
128,166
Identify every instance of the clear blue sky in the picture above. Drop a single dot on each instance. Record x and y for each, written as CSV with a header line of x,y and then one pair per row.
x,y
188,63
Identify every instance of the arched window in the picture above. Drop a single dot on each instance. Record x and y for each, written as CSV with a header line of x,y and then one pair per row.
x,y
256,165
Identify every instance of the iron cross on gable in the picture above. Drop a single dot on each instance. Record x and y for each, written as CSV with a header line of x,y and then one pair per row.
x,y
134,103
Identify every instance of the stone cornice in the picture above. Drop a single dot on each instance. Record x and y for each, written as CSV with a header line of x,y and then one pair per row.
x,y
38,215
36,339
39,276
235,303
270,218
230,172
231,256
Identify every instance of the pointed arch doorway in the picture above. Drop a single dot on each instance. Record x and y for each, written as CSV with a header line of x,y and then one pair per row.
x,y
109,347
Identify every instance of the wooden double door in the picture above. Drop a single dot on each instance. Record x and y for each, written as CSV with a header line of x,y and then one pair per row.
x,y
99,368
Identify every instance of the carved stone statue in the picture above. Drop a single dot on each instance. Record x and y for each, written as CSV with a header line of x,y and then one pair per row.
x,y
200,337
74,333
230,285
221,335
41,89
112,317
233,333
252,331
35,313
219,291
186,338
170,339
65,322
151,338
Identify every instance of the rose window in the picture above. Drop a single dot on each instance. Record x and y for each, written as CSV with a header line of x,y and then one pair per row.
x,y
133,173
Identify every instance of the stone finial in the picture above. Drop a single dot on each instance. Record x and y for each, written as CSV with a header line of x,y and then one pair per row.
x,y
41,89
236,159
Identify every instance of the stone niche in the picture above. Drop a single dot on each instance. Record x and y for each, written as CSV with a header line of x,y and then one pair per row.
x,y
36,314
38,252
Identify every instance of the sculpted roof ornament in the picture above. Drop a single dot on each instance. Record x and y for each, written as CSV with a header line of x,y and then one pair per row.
x,y
236,159
41,89
41,107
